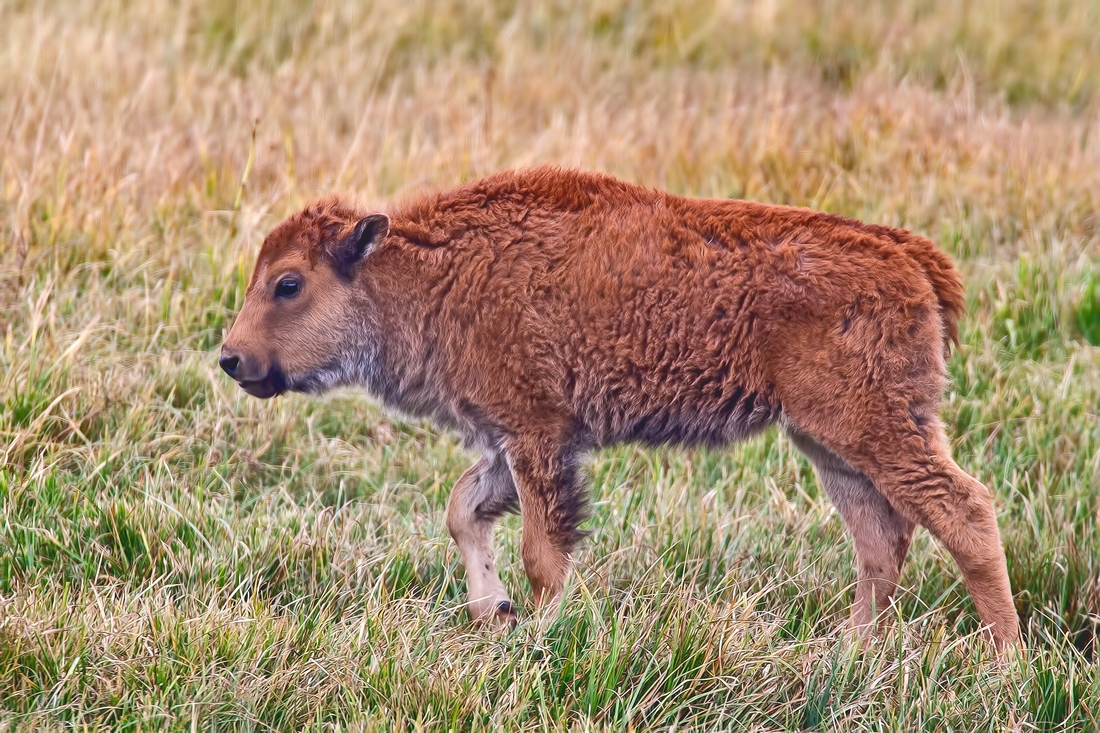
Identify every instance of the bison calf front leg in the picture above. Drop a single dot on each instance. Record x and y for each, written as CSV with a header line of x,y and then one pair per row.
x,y
478,499
552,504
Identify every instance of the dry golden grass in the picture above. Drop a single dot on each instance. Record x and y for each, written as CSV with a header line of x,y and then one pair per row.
x,y
173,554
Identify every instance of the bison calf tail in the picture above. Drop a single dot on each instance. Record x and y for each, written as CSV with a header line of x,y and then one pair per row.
x,y
945,279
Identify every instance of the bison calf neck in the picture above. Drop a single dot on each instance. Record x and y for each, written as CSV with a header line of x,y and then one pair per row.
x,y
545,313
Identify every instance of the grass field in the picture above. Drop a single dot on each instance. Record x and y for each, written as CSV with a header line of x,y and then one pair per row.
x,y
175,554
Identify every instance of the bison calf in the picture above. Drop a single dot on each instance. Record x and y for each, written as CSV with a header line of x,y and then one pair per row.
x,y
545,313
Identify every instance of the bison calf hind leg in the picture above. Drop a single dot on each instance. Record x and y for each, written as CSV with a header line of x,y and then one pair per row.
x,y
910,465
876,407
881,535
958,510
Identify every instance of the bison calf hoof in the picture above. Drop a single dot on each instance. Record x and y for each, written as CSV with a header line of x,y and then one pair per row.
x,y
500,613
505,614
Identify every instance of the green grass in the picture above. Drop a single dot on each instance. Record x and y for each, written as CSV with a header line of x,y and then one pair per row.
x,y
176,555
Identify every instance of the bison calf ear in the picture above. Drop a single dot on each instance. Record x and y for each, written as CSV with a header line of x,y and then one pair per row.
x,y
368,232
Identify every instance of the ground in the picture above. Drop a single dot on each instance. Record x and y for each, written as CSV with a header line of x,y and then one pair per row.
x,y
175,554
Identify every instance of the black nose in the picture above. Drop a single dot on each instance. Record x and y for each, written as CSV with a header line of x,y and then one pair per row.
x,y
229,363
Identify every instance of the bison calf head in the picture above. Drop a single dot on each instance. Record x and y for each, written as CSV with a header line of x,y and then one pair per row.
x,y
303,325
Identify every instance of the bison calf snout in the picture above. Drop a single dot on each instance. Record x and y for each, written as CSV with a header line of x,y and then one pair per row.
x,y
229,363
256,376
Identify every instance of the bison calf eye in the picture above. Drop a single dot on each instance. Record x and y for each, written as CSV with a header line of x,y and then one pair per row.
x,y
287,288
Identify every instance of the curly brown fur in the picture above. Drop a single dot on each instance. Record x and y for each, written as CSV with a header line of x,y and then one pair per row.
x,y
544,313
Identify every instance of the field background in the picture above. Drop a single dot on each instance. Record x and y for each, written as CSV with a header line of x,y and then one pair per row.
x,y
174,554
